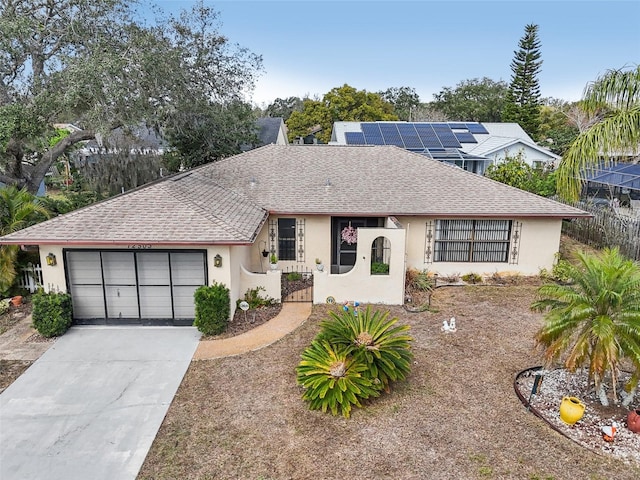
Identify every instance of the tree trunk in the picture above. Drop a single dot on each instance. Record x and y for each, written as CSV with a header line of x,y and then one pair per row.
x,y
602,395
30,177
627,398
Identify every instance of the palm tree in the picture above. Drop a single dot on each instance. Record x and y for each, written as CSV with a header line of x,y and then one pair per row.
x,y
594,321
617,92
18,209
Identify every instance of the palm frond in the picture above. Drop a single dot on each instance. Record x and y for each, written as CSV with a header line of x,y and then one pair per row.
x,y
618,91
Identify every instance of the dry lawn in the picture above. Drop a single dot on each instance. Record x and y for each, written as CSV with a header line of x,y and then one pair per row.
x,y
456,417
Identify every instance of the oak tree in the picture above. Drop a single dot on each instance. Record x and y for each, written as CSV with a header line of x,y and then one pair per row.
x,y
93,63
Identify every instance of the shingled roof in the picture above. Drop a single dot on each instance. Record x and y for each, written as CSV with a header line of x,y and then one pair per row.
x,y
183,209
371,180
227,202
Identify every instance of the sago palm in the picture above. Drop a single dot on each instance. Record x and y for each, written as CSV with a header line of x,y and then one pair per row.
x,y
334,379
594,321
371,334
18,209
617,92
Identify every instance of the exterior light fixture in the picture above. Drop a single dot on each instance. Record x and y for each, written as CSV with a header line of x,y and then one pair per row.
x,y
51,260
217,261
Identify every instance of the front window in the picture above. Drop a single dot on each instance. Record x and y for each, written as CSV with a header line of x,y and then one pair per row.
x,y
472,240
286,238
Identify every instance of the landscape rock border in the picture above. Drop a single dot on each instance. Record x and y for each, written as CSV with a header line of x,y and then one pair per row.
x,y
587,432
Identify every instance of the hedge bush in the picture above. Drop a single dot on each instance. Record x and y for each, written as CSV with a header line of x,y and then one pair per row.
x,y
52,313
213,307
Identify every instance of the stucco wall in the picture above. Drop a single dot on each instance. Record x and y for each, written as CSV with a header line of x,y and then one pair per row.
x,y
539,242
53,277
359,284
270,281
316,244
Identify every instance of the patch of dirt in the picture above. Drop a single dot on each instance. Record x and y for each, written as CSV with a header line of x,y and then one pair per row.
x,y
568,247
455,417
242,322
13,316
20,344
10,370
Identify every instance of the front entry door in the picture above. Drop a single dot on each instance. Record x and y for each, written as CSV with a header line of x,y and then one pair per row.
x,y
343,254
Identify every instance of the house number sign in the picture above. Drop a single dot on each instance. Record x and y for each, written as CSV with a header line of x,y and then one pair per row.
x,y
139,246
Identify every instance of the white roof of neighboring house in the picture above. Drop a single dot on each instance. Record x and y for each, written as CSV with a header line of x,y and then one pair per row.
x,y
499,137
505,137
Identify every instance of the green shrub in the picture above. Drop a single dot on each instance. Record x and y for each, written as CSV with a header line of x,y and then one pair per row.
x,y
560,272
379,268
372,335
213,308
472,278
255,300
334,379
4,306
294,276
353,358
52,313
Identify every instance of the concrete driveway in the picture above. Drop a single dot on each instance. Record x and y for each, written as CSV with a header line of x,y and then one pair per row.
x,y
91,405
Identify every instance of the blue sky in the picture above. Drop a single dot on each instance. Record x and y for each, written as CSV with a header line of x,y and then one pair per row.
x,y
311,46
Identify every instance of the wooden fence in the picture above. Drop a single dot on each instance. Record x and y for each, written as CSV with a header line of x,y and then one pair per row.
x,y
607,228
30,277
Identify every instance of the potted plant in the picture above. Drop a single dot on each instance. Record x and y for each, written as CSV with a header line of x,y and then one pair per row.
x,y
273,261
319,265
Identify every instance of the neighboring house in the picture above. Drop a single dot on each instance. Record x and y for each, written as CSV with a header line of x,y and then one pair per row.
x,y
272,131
42,189
504,139
139,256
471,146
140,141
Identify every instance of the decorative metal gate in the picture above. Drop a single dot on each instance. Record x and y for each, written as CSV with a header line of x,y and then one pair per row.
x,y
297,284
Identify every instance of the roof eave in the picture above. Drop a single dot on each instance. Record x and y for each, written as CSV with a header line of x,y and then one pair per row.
x,y
129,243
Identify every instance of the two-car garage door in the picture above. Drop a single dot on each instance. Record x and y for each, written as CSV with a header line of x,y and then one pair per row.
x,y
134,286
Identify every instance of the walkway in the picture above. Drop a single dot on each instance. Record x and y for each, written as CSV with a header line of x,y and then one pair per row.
x,y
290,317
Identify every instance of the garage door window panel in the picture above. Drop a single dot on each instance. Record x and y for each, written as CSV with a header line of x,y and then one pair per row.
x,y
187,275
154,278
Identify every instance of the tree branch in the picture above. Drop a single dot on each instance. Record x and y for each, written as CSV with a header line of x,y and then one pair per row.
x,y
42,167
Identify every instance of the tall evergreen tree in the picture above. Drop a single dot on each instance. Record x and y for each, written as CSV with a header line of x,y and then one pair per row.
x,y
523,97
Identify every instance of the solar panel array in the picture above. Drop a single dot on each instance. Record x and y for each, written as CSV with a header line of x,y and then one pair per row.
x,y
415,136
623,175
